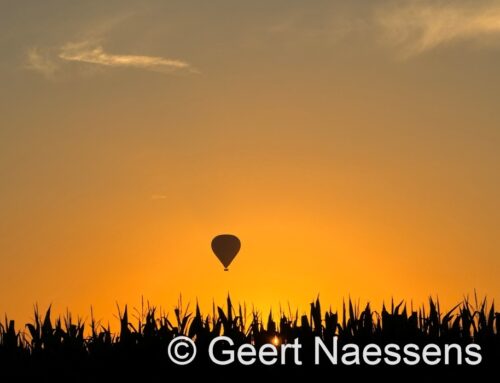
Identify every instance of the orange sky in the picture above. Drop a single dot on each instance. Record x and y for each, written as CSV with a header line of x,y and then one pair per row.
x,y
348,158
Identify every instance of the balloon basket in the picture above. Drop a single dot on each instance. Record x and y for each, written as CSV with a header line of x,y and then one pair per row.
x,y
226,269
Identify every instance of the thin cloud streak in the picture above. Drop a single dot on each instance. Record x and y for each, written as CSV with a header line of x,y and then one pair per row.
x,y
156,197
55,62
85,53
424,26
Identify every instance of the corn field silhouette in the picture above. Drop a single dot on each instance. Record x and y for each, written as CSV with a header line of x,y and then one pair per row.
x,y
46,346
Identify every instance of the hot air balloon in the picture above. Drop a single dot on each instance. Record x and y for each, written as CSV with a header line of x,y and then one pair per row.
x,y
225,247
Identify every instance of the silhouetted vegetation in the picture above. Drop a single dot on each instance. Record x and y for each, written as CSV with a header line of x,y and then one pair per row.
x,y
46,346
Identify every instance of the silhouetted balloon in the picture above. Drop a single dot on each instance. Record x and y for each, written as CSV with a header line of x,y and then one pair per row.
x,y
225,247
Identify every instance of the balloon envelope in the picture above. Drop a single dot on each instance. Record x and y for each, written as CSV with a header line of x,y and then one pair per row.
x,y
225,247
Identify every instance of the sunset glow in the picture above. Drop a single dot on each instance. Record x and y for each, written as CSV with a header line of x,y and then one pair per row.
x,y
348,161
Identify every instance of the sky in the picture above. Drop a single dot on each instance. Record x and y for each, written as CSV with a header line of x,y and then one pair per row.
x,y
351,146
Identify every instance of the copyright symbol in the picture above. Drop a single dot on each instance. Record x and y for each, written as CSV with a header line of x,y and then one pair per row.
x,y
181,350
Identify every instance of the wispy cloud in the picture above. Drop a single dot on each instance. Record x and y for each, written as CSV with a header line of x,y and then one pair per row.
x,y
156,197
422,26
41,62
85,52
49,62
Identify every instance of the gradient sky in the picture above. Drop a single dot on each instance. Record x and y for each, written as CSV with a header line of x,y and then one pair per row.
x,y
352,146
